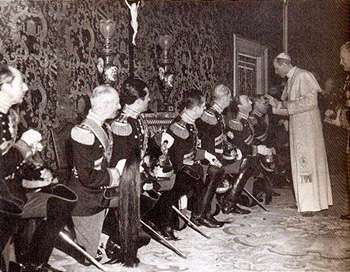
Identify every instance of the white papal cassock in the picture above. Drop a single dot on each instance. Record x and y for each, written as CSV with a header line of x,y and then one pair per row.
x,y
308,154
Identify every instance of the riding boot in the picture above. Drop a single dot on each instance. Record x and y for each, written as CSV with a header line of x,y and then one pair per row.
x,y
59,208
202,215
10,214
232,197
9,217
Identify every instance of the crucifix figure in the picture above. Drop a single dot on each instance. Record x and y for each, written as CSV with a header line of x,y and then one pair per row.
x,y
133,11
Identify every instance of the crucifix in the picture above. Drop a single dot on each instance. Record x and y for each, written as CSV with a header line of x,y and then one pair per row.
x,y
133,11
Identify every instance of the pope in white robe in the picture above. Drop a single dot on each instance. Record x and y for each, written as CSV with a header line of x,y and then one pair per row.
x,y
311,179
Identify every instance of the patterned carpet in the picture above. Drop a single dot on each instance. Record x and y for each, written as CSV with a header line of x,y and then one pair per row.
x,y
277,240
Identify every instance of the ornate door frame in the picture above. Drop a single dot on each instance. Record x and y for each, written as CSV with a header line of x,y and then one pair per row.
x,y
250,67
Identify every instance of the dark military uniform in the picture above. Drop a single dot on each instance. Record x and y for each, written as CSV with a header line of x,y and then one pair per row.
x,y
92,145
130,136
185,155
265,164
211,128
130,141
20,165
185,150
92,149
129,133
11,205
241,134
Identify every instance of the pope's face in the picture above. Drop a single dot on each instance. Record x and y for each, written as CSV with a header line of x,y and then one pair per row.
x,y
345,60
279,69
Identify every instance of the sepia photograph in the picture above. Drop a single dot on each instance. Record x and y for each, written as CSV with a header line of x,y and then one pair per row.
x,y
174,135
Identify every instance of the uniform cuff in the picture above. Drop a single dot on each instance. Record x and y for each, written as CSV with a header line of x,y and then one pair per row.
x,y
254,150
114,177
24,148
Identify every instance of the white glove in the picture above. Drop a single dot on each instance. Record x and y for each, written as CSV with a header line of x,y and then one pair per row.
x,y
32,138
212,159
147,187
120,166
263,150
239,154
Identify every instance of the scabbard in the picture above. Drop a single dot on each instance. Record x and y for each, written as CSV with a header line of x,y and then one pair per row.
x,y
81,250
190,223
163,240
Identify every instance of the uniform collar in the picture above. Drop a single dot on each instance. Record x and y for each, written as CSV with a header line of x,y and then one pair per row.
x,y
242,115
95,117
188,119
257,113
129,111
291,72
217,108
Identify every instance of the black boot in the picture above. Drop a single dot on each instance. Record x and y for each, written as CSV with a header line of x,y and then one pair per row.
x,y
202,214
9,218
59,208
231,198
10,214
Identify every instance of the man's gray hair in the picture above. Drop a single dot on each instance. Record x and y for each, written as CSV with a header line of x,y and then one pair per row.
x,y
100,91
220,90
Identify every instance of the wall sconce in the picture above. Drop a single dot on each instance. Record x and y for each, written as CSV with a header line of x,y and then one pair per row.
x,y
164,72
105,64
165,42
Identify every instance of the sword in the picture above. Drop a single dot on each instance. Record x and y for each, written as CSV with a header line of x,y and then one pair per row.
x,y
81,250
254,199
190,223
163,240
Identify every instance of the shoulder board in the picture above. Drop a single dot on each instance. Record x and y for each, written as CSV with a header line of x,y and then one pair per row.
x,y
83,135
235,124
209,117
121,127
179,130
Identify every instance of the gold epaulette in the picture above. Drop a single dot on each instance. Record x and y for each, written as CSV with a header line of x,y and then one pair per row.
x,y
209,117
82,134
121,127
180,130
235,124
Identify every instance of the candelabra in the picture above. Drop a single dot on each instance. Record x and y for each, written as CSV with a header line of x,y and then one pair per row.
x,y
105,64
165,74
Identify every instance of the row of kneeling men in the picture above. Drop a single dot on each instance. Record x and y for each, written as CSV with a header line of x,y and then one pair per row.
x,y
120,176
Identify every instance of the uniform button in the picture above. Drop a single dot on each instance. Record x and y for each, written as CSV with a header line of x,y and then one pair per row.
x,y
100,146
4,139
3,123
135,136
